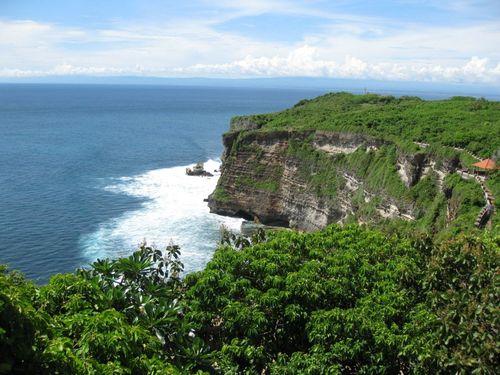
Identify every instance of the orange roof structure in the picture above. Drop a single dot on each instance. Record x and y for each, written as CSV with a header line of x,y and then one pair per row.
x,y
485,164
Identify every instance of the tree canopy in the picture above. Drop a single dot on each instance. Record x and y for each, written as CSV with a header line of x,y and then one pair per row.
x,y
340,300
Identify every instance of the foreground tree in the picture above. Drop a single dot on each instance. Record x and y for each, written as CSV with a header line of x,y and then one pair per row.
x,y
340,300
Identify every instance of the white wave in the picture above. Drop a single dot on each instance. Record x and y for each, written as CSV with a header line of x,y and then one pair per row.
x,y
174,210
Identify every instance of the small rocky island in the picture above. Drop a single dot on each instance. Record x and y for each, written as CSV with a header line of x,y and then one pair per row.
x,y
198,170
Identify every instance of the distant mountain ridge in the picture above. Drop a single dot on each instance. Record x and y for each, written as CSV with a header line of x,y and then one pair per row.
x,y
398,88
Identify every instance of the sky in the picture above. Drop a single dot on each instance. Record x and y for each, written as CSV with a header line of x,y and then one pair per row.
x,y
455,41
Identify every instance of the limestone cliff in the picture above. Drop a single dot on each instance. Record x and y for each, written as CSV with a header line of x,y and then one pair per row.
x,y
302,168
268,178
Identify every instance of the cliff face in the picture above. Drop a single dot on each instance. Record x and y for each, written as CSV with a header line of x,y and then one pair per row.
x,y
260,181
309,179
358,158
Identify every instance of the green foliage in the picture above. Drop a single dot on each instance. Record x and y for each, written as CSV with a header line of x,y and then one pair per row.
x,y
455,329
459,122
21,326
296,293
340,300
493,183
119,316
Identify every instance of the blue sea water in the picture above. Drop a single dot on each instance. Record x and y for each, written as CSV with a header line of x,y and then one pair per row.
x,y
89,171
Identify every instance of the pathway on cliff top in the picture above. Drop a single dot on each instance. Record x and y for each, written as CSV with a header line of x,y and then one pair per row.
x,y
487,211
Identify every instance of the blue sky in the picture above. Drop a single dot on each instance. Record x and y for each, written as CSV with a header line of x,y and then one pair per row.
x,y
426,40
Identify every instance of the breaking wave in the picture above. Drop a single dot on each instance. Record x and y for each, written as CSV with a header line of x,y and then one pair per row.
x,y
173,210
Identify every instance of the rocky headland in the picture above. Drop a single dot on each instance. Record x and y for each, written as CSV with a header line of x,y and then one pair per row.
x,y
308,178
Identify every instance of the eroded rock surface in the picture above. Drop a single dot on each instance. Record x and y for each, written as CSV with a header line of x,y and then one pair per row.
x,y
261,181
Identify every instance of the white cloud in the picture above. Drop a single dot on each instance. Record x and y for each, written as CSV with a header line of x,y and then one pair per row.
x,y
38,47
66,70
303,62
300,63
195,47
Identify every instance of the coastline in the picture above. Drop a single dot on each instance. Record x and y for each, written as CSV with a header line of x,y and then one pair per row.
x,y
173,210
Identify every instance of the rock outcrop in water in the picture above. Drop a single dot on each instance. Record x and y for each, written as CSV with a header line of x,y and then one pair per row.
x,y
198,170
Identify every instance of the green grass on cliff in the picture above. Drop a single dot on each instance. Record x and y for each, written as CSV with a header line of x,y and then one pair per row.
x,y
317,168
463,122
220,194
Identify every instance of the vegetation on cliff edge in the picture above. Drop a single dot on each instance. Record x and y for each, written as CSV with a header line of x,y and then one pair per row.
x,y
441,204
473,124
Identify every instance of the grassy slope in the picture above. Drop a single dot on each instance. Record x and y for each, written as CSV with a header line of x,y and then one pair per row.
x,y
459,122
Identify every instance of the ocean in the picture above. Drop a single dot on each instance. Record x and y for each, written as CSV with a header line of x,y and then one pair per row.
x,y
91,171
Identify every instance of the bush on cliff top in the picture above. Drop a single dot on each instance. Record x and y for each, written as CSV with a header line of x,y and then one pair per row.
x,y
338,300
460,122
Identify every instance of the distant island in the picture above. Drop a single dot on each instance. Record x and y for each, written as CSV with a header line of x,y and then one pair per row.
x,y
389,263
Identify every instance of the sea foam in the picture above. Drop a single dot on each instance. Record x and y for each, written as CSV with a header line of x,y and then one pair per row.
x,y
173,210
